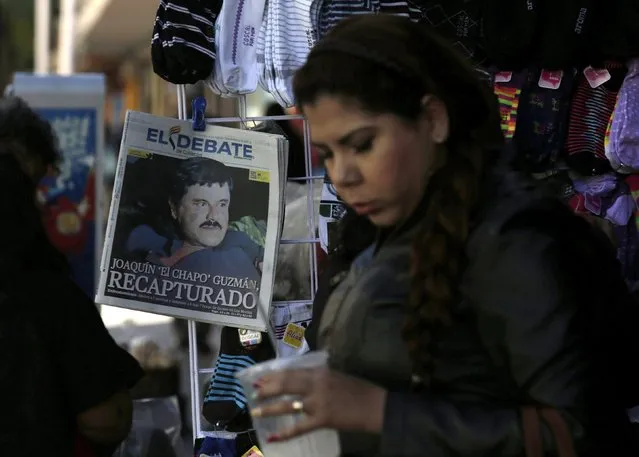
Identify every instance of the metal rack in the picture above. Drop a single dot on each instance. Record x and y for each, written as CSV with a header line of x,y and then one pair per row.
x,y
194,370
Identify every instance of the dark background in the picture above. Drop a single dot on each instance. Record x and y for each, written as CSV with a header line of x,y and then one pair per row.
x,y
144,198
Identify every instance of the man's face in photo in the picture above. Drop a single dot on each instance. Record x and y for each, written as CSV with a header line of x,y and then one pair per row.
x,y
203,214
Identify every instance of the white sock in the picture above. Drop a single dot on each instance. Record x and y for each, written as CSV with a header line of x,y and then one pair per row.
x,y
260,50
240,24
216,80
269,67
294,36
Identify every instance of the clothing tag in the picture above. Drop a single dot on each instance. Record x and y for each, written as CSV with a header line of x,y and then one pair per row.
x,y
294,335
249,337
550,79
596,77
253,452
503,76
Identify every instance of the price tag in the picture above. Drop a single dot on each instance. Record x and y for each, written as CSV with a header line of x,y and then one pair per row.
x,y
550,79
259,175
249,337
253,452
294,335
596,77
503,76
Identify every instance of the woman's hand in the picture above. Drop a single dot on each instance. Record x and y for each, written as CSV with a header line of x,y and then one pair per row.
x,y
327,399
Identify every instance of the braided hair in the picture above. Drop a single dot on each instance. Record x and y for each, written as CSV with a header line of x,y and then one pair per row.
x,y
387,65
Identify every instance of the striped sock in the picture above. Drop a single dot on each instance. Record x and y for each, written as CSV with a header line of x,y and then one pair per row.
x,y
395,8
508,95
261,49
293,38
225,399
330,13
182,46
327,14
588,121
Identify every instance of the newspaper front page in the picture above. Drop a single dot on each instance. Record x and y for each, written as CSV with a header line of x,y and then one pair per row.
x,y
194,224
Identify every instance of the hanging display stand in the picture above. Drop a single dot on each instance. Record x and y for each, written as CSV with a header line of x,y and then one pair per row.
x,y
194,370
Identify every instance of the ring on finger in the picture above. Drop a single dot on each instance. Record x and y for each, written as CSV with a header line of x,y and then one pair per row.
x,y
298,406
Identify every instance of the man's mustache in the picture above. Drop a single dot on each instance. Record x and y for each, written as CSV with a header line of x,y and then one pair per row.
x,y
211,223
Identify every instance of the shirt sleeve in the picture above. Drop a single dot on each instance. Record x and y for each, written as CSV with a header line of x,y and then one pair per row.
x,y
93,366
527,309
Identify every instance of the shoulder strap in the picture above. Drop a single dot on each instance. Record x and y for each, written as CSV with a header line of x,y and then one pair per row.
x,y
532,432
559,428
533,441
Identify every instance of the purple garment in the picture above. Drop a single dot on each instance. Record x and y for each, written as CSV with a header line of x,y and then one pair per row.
x,y
599,185
623,149
621,209
607,196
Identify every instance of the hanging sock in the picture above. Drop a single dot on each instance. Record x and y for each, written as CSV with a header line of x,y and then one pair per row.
x,y
239,23
623,145
225,400
507,88
270,53
509,31
564,30
293,37
457,20
182,45
615,165
216,80
541,122
327,14
592,105
260,49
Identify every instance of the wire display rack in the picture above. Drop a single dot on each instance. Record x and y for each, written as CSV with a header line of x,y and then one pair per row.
x,y
311,239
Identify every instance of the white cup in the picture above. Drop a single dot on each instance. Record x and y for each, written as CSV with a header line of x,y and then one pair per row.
x,y
320,443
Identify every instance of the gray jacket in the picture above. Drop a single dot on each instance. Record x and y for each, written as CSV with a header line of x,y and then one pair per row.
x,y
533,306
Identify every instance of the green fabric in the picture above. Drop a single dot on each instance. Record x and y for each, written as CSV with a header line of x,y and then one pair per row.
x,y
254,229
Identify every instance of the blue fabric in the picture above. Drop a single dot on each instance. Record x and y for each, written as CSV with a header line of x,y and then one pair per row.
x,y
217,447
223,385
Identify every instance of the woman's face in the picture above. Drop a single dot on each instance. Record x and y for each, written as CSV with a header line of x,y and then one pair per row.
x,y
379,164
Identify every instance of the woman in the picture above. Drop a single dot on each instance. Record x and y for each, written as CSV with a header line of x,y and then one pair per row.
x,y
481,294
63,379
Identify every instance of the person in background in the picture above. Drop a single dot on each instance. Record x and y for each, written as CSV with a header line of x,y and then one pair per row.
x,y
483,295
65,382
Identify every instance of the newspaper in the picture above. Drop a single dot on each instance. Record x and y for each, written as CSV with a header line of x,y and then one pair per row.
x,y
194,225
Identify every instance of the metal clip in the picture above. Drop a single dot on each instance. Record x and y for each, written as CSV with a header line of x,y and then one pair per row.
x,y
199,110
